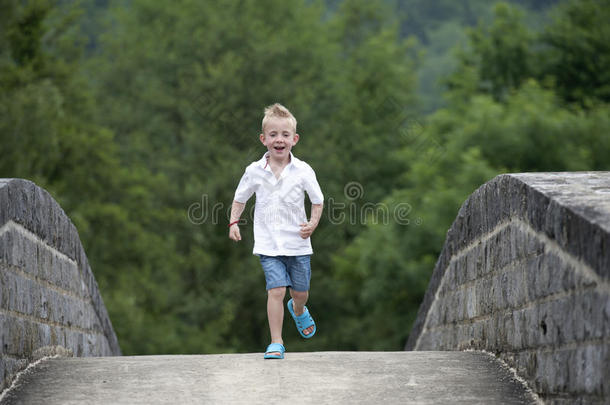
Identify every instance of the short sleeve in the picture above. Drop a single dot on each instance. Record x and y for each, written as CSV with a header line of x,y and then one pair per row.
x,y
245,188
312,187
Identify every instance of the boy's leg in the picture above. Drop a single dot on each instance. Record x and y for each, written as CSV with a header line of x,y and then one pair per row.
x,y
276,280
300,275
299,299
275,313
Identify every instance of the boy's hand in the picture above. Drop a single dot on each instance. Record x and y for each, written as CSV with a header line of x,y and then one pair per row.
x,y
307,229
234,233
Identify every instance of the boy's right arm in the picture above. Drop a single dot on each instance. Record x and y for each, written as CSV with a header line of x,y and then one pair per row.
x,y
236,209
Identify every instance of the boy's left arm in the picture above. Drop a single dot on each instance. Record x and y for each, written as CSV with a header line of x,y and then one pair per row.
x,y
308,227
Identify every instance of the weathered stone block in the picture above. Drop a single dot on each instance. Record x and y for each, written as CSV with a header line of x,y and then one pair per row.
x,y
524,362
532,269
517,339
516,294
533,327
448,303
483,291
9,367
470,303
3,285
449,282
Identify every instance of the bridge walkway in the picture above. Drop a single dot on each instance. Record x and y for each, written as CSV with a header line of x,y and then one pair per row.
x,y
420,377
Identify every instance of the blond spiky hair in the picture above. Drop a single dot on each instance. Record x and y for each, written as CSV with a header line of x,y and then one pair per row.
x,y
278,111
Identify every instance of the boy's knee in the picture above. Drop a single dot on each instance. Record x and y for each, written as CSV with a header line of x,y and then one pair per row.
x,y
299,295
277,293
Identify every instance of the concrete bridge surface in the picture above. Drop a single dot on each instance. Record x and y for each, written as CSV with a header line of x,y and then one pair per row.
x,y
313,378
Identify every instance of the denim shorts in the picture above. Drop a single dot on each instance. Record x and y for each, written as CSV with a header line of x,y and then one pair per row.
x,y
287,271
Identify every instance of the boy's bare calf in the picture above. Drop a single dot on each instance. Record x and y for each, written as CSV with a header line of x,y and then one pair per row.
x,y
299,299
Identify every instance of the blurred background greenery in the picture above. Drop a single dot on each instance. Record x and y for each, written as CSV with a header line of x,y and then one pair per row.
x,y
130,112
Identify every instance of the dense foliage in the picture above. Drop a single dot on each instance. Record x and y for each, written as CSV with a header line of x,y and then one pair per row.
x,y
140,117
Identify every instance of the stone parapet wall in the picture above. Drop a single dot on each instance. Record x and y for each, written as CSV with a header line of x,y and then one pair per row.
x,y
525,274
49,299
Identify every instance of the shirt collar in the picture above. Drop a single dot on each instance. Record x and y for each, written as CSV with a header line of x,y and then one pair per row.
x,y
263,162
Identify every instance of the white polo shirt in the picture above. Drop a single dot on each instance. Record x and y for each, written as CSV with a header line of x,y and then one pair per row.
x,y
280,205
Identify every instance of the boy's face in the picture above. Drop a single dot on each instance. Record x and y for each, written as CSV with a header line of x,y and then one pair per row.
x,y
279,137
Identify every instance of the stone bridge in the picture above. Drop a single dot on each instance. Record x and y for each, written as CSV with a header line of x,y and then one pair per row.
x,y
517,311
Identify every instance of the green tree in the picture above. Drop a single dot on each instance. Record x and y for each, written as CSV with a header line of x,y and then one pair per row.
x,y
577,54
497,62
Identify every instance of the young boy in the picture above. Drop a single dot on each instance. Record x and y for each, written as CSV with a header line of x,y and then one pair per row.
x,y
281,229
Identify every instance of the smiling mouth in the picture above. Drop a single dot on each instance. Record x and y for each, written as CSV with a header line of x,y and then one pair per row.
x,y
279,148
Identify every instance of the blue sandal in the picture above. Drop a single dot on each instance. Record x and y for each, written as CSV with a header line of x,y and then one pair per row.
x,y
275,347
302,321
